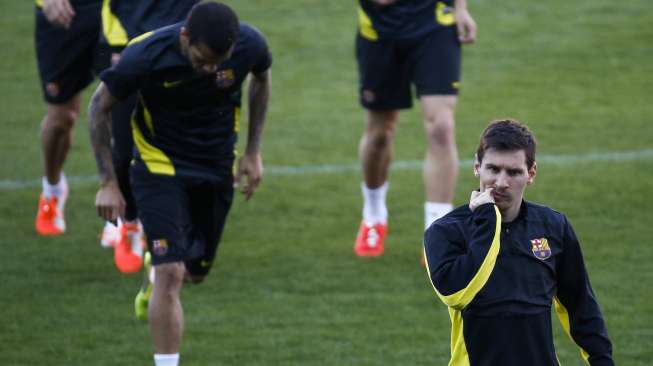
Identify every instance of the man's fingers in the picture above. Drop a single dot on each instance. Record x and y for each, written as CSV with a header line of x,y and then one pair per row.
x,y
461,31
111,212
68,9
465,34
251,186
105,212
65,13
248,193
54,14
59,14
470,33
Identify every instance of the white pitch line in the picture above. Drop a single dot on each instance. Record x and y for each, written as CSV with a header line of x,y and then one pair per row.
x,y
613,156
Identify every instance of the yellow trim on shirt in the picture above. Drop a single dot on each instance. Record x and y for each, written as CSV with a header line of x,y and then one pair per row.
x,y
366,27
157,161
563,316
112,29
463,297
141,37
237,119
459,355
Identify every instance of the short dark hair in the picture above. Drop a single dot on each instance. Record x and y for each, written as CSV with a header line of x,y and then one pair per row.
x,y
507,135
213,24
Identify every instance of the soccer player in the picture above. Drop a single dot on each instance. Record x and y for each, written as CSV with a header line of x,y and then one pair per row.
x,y
123,20
188,77
402,43
500,262
66,39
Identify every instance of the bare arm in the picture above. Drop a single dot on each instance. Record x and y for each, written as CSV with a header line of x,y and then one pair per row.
x,y
251,164
259,94
109,201
99,125
464,22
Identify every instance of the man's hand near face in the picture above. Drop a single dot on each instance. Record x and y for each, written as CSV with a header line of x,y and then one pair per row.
x,y
479,198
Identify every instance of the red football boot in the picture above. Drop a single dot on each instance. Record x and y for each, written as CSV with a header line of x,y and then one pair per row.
x,y
369,241
128,251
49,219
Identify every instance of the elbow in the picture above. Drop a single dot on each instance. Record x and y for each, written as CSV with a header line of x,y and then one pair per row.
x,y
452,299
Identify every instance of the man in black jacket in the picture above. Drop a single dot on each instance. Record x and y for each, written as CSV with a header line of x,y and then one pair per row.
x,y
500,262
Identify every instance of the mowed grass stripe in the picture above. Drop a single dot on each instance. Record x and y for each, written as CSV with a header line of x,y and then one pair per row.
x,y
612,156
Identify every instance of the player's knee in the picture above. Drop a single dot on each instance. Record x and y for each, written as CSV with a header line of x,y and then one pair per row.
x,y
61,117
379,139
380,129
170,276
440,129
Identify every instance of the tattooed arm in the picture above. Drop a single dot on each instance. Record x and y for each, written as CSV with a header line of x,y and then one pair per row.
x,y
109,201
251,164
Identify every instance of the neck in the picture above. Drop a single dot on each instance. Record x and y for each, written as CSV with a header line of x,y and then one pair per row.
x,y
510,214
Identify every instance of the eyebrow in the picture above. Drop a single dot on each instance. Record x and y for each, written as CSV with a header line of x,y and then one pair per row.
x,y
516,170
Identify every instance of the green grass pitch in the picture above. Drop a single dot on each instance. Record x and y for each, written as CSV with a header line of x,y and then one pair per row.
x,y
287,289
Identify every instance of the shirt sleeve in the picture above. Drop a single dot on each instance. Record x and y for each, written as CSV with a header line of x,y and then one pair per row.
x,y
263,57
126,77
459,270
576,305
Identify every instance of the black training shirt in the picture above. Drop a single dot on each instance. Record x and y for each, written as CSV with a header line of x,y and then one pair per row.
x,y
185,122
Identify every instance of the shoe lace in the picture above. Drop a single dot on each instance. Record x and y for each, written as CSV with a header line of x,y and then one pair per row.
x,y
48,209
372,237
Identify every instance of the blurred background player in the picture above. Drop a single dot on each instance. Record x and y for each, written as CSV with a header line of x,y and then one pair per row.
x,y
188,77
500,262
401,43
66,40
122,21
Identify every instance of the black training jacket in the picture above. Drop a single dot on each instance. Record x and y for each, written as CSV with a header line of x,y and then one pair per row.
x,y
500,280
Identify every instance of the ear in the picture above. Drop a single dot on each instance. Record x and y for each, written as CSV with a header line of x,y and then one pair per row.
x,y
477,166
532,172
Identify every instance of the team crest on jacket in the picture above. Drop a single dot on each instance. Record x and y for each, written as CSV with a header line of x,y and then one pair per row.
x,y
159,247
224,78
541,248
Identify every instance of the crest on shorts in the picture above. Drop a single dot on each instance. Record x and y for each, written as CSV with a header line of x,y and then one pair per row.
x,y
52,89
159,247
541,248
368,96
224,78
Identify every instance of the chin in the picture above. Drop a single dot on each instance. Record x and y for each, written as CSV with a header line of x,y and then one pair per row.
x,y
503,205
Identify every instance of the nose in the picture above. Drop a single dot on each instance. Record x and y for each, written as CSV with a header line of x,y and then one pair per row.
x,y
502,180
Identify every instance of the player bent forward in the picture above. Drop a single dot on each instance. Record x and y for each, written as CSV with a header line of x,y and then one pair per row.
x,y
188,77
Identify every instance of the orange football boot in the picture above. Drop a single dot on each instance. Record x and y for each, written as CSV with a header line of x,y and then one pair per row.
x,y
370,238
49,219
128,251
